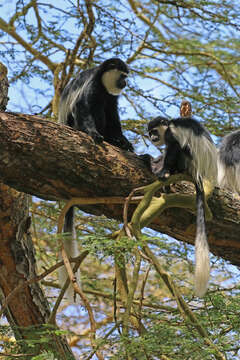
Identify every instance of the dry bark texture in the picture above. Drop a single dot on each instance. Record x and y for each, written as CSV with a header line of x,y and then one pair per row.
x,y
56,162
3,87
17,260
27,306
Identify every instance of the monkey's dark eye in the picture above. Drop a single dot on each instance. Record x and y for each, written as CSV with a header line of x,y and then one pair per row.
x,y
153,133
123,76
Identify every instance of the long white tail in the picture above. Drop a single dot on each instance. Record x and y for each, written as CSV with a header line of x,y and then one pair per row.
x,y
202,267
70,246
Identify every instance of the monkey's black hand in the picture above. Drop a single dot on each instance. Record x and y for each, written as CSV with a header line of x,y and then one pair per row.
x,y
124,144
147,159
97,138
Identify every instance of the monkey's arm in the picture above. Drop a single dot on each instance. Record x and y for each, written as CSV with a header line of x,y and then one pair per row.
x,y
113,131
174,158
86,120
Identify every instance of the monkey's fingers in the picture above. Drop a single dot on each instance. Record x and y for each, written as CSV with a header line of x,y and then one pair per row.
x,y
97,138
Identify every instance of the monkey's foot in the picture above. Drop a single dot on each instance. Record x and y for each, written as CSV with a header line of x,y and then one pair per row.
x,y
163,174
97,138
122,143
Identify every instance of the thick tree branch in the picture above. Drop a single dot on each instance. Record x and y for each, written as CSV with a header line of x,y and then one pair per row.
x,y
56,162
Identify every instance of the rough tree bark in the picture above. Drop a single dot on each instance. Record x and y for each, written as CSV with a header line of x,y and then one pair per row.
x,y
28,309
56,162
3,87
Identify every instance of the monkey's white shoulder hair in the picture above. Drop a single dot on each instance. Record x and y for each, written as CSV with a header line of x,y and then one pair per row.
x,y
70,96
229,162
229,176
202,149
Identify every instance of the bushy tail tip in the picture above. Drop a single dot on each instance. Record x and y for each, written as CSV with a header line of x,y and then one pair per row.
x,y
202,269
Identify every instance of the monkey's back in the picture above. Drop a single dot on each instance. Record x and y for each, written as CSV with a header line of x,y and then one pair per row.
x,y
71,94
193,136
229,162
230,149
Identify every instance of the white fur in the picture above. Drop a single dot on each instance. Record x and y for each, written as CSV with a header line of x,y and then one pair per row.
x,y
70,246
204,153
109,80
202,267
66,104
229,176
204,160
161,132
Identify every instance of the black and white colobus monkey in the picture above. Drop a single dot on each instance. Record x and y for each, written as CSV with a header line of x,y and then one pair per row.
x,y
190,149
89,103
229,162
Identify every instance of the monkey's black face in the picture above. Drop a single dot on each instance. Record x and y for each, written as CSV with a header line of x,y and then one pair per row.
x,y
121,81
154,136
156,130
157,136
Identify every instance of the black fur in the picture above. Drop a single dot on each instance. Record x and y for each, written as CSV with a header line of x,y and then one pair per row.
x,y
189,123
184,139
69,221
87,106
177,159
157,122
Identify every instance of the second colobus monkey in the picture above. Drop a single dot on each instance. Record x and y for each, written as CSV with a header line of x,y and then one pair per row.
x,y
189,148
89,103
229,162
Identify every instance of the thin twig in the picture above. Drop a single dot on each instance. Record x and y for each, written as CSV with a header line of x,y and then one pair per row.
x,y
142,291
125,209
37,278
52,318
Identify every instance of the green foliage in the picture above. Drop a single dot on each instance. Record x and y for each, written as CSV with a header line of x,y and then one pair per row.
x,y
168,332
175,49
45,356
36,338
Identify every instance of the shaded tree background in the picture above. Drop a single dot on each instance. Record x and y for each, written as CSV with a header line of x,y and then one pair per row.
x,y
175,49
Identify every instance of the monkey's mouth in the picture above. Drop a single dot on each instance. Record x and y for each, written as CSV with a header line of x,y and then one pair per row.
x,y
154,136
121,82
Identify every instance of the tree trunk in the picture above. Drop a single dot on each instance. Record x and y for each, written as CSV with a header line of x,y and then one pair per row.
x,y
28,310
56,162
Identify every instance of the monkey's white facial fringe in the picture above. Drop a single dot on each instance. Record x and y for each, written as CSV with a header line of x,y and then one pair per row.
x,y
202,267
109,80
229,176
161,133
204,153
